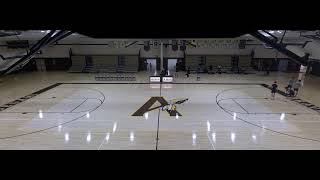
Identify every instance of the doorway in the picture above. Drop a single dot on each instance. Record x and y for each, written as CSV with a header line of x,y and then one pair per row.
x,y
172,65
151,65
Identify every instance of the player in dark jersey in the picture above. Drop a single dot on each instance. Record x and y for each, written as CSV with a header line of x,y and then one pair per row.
x,y
274,88
188,72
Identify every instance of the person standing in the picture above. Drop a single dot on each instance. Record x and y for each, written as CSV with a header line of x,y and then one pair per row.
x,y
291,82
150,67
310,70
188,72
290,85
296,87
268,69
211,68
219,69
198,72
274,88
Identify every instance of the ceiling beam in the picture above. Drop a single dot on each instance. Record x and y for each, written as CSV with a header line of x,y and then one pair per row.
x,y
281,48
48,39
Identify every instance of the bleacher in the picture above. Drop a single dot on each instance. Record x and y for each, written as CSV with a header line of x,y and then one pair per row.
x,y
245,64
115,77
224,61
131,64
193,62
126,69
105,64
78,64
88,69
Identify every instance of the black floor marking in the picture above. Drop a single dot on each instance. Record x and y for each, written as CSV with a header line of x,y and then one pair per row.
x,y
54,112
240,106
168,83
268,113
298,100
57,84
79,105
157,138
253,124
22,99
55,126
158,126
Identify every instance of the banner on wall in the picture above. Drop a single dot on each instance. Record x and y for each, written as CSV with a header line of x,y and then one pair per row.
x,y
211,44
215,44
121,44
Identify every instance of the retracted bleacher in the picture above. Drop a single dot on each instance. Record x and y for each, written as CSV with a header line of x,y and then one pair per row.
x,y
122,69
105,64
245,64
193,62
219,60
115,77
78,64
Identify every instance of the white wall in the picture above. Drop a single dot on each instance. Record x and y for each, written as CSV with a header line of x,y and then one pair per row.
x,y
152,53
218,51
103,50
8,53
54,52
167,52
297,50
262,52
8,63
204,47
314,49
62,51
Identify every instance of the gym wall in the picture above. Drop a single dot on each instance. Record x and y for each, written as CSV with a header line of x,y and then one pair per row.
x,y
219,60
105,63
194,61
216,60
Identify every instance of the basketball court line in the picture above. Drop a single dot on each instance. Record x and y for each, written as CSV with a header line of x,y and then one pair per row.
x,y
210,140
262,127
258,113
57,84
158,125
240,105
54,112
67,122
79,105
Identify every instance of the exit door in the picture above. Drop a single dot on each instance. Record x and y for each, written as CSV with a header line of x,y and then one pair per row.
x,y
172,65
151,65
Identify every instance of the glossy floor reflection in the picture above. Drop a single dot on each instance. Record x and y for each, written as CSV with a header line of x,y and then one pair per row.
x,y
217,116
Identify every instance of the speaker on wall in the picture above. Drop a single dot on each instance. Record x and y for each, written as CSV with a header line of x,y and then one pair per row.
x,y
252,54
146,45
242,44
174,45
183,45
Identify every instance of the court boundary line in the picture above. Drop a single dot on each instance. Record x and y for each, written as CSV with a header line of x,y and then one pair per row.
x,y
257,113
256,125
158,125
27,97
37,93
240,105
79,105
55,112
295,99
55,126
